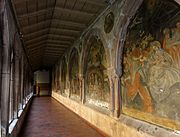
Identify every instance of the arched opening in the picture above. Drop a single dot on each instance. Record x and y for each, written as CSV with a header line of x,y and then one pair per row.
x,y
96,78
63,76
57,74
74,74
151,64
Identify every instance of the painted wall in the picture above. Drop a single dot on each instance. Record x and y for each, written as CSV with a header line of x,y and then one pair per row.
x,y
126,64
151,76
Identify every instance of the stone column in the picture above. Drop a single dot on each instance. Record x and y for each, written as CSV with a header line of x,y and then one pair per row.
x,y
1,42
22,82
115,93
17,81
67,89
117,96
11,82
5,74
111,103
82,88
25,81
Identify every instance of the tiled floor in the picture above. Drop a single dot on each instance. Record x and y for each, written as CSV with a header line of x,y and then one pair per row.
x,y
48,118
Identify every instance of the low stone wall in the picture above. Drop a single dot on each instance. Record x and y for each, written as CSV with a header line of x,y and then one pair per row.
x,y
105,123
18,126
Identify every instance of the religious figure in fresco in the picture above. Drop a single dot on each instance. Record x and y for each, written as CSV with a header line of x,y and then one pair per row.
x,y
163,81
74,75
97,80
133,81
151,63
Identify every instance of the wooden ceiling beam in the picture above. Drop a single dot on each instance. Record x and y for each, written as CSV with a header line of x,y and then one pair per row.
x,y
47,30
36,48
45,36
65,44
49,41
35,13
42,30
56,45
54,51
74,11
37,39
60,22
54,48
46,23
26,35
61,36
59,42
35,52
52,54
48,46
94,2
59,9
36,44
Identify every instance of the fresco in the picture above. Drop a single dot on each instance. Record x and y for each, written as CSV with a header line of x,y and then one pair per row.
x,y
98,92
151,63
73,75
57,81
63,76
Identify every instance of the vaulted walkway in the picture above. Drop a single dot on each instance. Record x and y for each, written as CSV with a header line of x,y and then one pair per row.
x,y
48,118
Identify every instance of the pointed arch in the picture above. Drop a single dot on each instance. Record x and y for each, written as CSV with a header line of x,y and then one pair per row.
x,y
74,74
95,62
63,76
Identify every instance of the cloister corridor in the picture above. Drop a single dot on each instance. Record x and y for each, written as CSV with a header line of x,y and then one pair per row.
x,y
89,68
49,118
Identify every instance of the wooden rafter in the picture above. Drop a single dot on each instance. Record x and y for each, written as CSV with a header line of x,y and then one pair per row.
x,y
94,2
58,9
61,22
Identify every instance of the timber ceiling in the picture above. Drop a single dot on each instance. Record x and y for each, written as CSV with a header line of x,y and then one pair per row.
x,y
50,27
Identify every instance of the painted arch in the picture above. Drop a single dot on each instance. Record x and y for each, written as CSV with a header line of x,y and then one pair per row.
x,y
63,76
95,71
74,74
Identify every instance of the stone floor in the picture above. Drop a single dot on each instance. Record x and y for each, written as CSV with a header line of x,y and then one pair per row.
x,y
48,118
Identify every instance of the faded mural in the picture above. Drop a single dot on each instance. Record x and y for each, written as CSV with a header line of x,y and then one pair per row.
x,y
73,74
57,78
63,76
98,92
151,76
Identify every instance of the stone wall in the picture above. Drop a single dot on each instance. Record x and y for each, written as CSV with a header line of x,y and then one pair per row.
x,y
97,79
